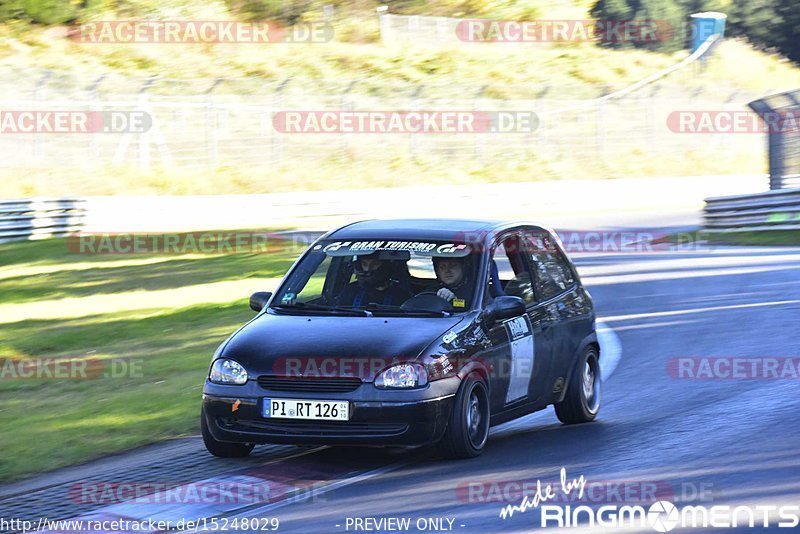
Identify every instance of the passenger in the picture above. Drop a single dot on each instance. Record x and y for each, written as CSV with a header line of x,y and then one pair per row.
x,y
453,277
373,284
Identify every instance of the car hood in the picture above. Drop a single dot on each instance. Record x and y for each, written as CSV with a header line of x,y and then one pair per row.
x,y
327,346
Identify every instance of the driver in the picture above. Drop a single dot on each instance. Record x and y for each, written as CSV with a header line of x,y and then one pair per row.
x,y
373,284
454,285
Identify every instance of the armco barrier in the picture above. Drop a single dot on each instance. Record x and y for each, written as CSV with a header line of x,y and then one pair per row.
x,y
39,218
772,210
596,204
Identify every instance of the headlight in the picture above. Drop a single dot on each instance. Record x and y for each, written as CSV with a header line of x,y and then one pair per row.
x,y
227,372
405,375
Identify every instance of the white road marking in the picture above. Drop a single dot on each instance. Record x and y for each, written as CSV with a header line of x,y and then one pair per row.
x,y
324,489
610,349
709,309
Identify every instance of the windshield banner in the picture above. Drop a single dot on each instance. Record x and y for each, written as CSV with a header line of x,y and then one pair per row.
x,y
347,248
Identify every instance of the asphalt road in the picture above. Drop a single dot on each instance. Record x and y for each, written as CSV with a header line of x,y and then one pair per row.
x,y
661,435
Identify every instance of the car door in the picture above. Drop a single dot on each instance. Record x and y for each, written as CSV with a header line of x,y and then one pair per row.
x,y
521,348
555,290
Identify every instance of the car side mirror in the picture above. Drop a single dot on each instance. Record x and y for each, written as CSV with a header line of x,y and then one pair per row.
x,y
503,307
259,299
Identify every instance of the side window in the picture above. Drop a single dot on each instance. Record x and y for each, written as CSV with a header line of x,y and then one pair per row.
x,y
512,271
504,269
551,271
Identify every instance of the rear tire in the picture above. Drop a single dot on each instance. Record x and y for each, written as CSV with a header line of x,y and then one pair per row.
x,y
468,426
222,449
582,400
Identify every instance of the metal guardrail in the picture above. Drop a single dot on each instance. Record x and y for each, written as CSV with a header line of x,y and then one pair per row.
x,y
779,208
772,210
40,218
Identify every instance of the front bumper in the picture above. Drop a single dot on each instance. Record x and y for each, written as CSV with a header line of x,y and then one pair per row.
x,y
378,417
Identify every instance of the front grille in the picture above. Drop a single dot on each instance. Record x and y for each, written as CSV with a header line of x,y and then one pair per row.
x,y
303,384
319,428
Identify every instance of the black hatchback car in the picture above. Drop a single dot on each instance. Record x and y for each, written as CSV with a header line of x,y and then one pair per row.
x,y
405,333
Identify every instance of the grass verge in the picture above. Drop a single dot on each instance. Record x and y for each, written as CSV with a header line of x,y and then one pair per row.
x,y
764,239
612,141
146,325
770,238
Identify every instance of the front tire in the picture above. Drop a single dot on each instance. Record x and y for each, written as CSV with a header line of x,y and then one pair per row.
x,y
468,427
222,449
582,400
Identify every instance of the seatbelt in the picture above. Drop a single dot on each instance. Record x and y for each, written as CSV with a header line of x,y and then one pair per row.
x,y
359,298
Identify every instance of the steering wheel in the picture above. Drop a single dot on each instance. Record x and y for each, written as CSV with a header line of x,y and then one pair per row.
x,y
427,293
428,301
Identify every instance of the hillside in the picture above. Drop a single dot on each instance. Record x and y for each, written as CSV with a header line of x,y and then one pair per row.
x,y
625,138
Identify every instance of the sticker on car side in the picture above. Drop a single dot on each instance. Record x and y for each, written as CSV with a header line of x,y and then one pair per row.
x,y
520,335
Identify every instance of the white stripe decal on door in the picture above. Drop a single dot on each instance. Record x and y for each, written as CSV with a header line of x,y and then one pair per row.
x,y
522,347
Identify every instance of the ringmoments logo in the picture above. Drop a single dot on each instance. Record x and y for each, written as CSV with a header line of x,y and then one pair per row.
x,y
661,516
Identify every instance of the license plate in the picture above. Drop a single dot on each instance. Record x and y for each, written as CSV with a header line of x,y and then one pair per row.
x,y
306,409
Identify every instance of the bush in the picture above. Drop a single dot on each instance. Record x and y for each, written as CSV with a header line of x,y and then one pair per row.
x,y
49,11
667,14
11,9
286,11
768,24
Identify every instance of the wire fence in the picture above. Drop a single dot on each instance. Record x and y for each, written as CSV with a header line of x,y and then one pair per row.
x,y
209,123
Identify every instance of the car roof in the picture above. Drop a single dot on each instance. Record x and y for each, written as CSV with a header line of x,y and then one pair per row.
x,y
428,229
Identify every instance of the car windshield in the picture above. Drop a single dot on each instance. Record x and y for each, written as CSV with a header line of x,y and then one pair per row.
x,y
382,277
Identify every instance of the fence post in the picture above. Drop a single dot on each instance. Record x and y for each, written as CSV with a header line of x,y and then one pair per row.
x,y
345,105
38,145
415,107
600,119
412,29
144,138
212,141
479,148
94,106
383,22
442,24
542,137
277,104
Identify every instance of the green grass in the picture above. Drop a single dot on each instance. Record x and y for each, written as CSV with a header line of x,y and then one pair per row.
x,y
766,238
182,308
771,238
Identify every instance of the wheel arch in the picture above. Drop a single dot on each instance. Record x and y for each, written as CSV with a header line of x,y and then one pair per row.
x,y
590,340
